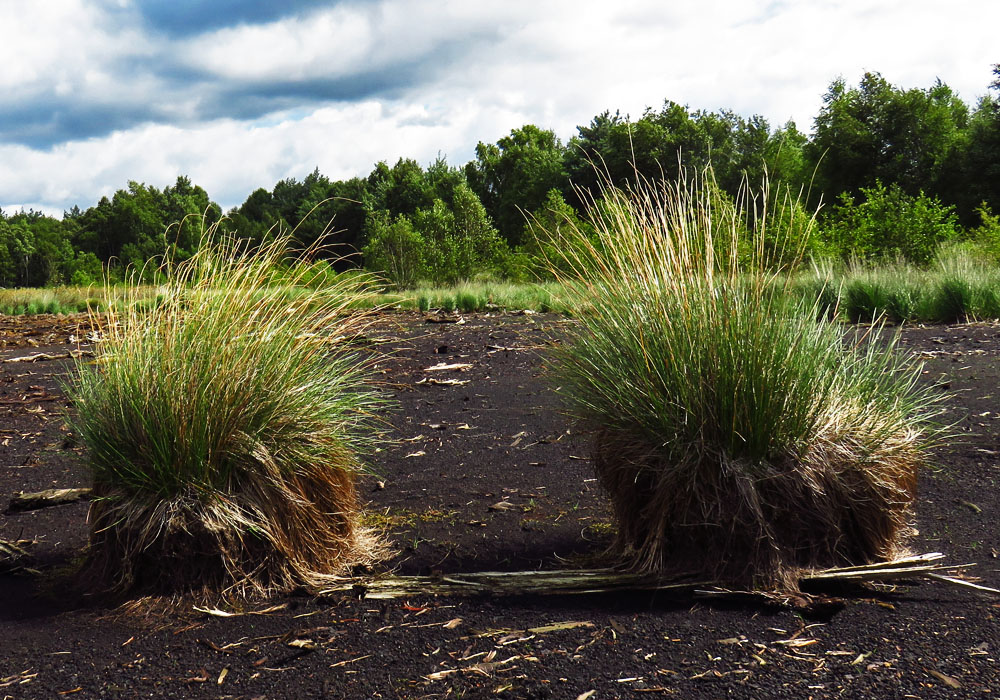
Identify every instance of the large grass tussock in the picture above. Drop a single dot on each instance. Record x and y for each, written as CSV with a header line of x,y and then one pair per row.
x,y
223,422
737,436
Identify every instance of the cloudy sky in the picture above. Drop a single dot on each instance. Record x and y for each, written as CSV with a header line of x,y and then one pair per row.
x,y
240,94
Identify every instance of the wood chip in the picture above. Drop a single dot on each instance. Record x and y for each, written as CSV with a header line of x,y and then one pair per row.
x,y
214,612
503,505
944,678
559,626
349,661
797,643
962,582
442,318
445,367
443,382
439,675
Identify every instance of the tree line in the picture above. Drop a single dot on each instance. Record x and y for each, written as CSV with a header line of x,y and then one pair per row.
x,y
900,172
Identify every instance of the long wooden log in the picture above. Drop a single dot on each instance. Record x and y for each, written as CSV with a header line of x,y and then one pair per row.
x,y
590,581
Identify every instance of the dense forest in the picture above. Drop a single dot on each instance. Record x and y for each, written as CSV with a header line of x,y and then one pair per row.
x,y
898,171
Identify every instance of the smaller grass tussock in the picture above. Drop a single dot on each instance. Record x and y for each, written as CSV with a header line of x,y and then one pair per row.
x,y
223,421
957,288
735,433
58,300
475,296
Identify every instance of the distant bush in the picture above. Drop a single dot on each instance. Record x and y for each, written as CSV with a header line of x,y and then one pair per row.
x,y
543,233
984,240
889,225
440,244
395,250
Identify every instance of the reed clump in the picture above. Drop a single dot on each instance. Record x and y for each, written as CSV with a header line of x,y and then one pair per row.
x,y
737,433
223,423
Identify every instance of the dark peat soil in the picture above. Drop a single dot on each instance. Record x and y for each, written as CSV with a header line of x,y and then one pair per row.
x,y
485,473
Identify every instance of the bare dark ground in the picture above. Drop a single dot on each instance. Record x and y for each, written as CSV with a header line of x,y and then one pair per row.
x,y
486,475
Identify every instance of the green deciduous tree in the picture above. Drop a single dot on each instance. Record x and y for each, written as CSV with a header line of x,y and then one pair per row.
x,y
394,249
35,250
878,132
980,178
479,248
661,143
52,260
401,189
550,228
514,175
17,245
443,243
143,223
187,210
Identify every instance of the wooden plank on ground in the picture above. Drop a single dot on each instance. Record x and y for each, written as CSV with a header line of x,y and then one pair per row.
x,y
44,499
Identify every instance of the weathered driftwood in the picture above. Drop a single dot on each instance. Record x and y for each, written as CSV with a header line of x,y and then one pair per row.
x,y
915,560
43,499
506,583
962,582
584,581
45,356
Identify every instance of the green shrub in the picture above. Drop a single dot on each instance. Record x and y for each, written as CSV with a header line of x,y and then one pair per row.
x,y
395,250
222,421
985,238
734,433
440,244
542,233
890,225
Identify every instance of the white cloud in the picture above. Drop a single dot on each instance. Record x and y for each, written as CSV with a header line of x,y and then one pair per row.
x,y
231,159
293,49
64,44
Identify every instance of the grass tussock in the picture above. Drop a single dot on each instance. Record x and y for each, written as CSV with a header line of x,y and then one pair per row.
x,y
736,433
957,288
476,296
223,423
58,300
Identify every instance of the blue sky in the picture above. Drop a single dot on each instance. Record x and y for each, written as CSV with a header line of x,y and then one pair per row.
x,y
239,94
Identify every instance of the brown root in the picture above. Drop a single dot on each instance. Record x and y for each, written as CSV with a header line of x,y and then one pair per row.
x,y
268,535
839,503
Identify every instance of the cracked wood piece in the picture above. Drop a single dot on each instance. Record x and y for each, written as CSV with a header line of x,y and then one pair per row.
x,y
44,499
584,581
44,356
